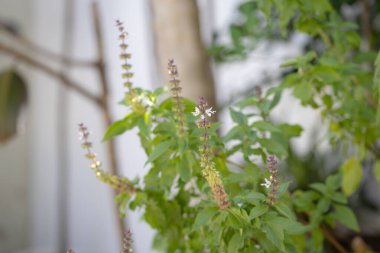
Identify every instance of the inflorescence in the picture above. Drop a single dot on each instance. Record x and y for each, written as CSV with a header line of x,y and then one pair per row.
x,y
127,242
131,96
209,172
124,56
272,183
176,95
118,183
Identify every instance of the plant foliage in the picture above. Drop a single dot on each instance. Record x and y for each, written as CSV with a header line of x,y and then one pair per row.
x,y
190,168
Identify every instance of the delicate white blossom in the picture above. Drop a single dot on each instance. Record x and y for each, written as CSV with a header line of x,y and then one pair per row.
x,y
267,183
210,112
196,112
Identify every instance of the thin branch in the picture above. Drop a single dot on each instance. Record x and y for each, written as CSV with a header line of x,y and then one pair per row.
x,y
50,71
105,107
38,50
365,22
330,237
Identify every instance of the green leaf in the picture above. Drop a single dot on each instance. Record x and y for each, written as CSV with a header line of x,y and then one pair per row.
x,y
159,150
352,176
265,126
257,211
275,234
204,218
120,126
238,117
289,225
238,217
339,198
301,60
276,98
319,187
303,91
13,95
184,169
284,210
295,228
160,90
376,83
236,242
376,170
290,130
235,133
249,101
323,205
250,197
283,188
273,147
345,216
333,182
144,124
155,216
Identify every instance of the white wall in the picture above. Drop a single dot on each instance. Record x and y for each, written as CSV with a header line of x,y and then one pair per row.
x,y
14,164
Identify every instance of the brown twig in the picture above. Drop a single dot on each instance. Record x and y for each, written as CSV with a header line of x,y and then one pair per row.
x,y
330,237
365,22
50,71
105,107
38,50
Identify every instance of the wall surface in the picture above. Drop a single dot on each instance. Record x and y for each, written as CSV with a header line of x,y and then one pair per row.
x,y
14,162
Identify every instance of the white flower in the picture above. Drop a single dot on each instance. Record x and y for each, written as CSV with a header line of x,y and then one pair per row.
x,y
267,183
196,112
210,112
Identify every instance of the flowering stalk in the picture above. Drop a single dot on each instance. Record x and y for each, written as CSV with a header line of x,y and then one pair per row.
x,y
209,172
272,184
131,96
176,95
118,183
127,242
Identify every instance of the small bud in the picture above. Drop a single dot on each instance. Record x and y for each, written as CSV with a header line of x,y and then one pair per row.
x,y
95,165
127,242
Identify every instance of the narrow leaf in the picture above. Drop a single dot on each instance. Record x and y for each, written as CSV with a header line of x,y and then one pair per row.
x,y
345,216
159,150
257,211
204,217
352,176
120,126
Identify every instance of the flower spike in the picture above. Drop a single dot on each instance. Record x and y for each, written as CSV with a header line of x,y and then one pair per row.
x,y
272,184
118,183
209,172
131,96
177,99
127,242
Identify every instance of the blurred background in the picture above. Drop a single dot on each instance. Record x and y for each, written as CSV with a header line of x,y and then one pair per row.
x,y
62,56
